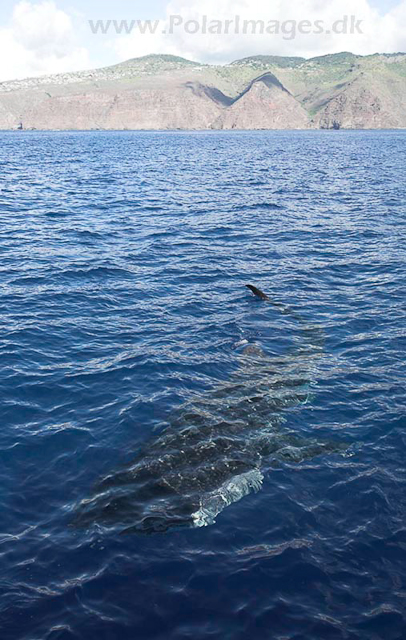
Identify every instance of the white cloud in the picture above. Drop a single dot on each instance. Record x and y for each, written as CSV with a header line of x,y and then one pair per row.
x,y
42,39
380,33
39,39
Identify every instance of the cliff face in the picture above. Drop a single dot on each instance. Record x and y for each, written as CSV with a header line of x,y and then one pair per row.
x,y
174,108
367,102
163,92
265,105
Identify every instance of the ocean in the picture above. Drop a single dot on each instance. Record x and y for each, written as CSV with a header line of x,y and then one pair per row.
x,y
125,317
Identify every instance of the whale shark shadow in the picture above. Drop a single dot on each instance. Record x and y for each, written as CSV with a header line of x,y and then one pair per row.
x,y
218,446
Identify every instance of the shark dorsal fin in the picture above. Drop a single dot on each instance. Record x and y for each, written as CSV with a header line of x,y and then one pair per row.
x,y
257,292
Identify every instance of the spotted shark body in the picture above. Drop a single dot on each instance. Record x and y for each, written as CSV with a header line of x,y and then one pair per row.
x,y
217,448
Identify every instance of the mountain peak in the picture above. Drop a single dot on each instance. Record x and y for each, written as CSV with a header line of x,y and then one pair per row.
x,y
159,61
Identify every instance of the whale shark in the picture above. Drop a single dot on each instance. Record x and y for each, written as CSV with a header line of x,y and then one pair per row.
x,y
218,446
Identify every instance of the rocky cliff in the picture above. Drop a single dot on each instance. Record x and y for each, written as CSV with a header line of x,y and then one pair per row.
x,y
262,92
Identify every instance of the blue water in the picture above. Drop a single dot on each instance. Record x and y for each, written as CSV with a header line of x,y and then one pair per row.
x,y
123,260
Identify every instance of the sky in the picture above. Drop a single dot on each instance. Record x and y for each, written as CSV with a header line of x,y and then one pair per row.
x,y
39,37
